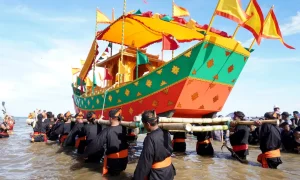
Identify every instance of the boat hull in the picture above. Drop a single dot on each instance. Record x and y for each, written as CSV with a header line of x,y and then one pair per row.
x,y
195,83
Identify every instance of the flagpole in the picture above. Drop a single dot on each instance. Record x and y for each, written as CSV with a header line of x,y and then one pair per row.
x,y
137,66
94,66
122,46
212,18
252,44
112,20
173,2
238,27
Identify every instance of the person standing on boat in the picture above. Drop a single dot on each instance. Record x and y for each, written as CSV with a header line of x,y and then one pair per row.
x,y
178,142
270,142
114,137
239,136
91,130
155,161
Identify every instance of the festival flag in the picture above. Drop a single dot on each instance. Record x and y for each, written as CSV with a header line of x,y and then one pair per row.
x,y
141,58
231,9
271,29
88,82
107,76
101,18
256,21
75,70
82,62
168,43
180,11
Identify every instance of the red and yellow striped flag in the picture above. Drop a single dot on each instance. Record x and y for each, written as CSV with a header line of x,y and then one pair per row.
x,y
180,11
271,29
101,18
231,9
256,21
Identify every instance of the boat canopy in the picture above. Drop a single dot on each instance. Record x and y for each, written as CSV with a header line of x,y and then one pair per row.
x,y
140,31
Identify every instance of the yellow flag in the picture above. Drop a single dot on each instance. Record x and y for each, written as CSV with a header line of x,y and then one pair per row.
x,y
101,18
88,82
82,62
231,9
180,11
256,21
271,29
75,70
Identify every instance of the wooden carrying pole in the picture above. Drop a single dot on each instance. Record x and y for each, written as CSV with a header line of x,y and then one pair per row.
x,y
123,123
209,128
193,120
275,122
176,126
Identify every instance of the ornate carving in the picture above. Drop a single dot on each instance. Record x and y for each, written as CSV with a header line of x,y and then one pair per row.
x,y
136,83
194,72
175,70
188,54
159,71
206,45
138,94
230,69
170,103
190,81
227,53
216,77
216,98
119,101
166,91
201,107
117,91
179,105
212,85
127,92
110,98
149,83
210,63
195,96
130,111
163,83
233,81
154,103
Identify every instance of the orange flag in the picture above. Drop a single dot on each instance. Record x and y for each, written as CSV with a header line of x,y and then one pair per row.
x,y
180,11
256,21
101,18
271,29
232,10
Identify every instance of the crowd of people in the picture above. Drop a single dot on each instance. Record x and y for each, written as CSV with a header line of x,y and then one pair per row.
x,y
94,142
7,126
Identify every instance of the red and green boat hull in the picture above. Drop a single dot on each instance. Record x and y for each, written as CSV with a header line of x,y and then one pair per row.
x,y
193,84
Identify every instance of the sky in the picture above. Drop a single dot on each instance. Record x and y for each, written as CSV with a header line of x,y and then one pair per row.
x,y
41,40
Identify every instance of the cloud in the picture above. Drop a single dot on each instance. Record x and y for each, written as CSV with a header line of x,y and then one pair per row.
x,y
26,12
39,78
292,27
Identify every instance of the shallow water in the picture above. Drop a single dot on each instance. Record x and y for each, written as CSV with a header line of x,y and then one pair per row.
x,y
20,159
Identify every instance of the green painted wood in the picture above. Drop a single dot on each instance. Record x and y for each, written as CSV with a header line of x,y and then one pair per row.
x,y
196,62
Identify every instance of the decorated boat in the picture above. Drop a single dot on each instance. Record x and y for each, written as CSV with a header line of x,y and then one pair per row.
x,y
194,84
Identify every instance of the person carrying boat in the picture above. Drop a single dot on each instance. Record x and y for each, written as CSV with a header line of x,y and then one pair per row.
x,y
66,128
91,130
270,142
77,131
56,128
239,136
39,130
114,137
3,129
178,142
155,161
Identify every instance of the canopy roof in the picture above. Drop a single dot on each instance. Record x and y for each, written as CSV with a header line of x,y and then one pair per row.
x,y
142,31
